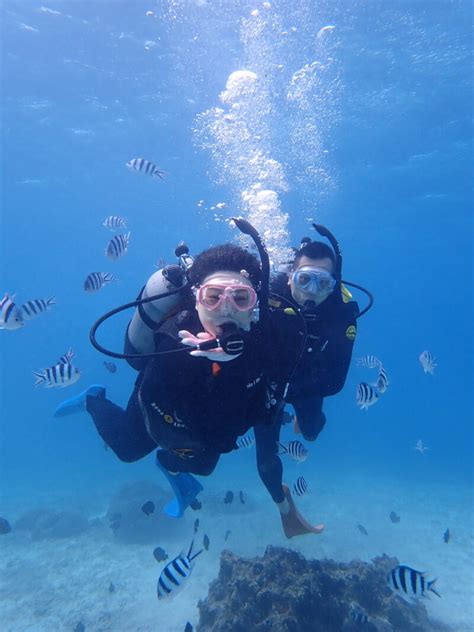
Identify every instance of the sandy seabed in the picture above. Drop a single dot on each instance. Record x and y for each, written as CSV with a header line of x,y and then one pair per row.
x,y
52,585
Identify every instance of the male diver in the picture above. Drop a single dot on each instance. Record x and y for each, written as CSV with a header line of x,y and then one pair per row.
x,y
310,303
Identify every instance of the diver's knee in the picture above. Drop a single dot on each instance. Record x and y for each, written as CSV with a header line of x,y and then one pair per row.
x,y
205,467
206,470
309,435
312,431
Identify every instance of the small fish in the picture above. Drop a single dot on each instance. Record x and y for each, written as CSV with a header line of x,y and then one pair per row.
x,y
145,166
227,534
206,542
36,306
241,498
369,361
246,441
160,554
366,395
110,366
114,221
4,526
67,357
420,446
195,504
358,615
60,375
80,627
447,536
95,281
394,517
188,627
229,497
10,315
409,583
295,449
382,381
175,573
148,508
117,246
427,362
362,529
111,587
300,487
196,525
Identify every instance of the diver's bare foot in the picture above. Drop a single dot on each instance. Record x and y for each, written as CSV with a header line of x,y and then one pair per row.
x,y
293,522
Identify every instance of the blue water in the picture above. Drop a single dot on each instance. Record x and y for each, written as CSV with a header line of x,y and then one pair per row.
x,y
89,85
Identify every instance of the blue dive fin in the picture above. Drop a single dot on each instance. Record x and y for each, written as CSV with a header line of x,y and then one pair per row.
x,y
77,404
185,488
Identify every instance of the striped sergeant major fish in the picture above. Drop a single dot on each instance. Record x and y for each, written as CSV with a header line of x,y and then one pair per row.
x,y
382,381
114,221
60,375
117,246
420,446
67,357
409,583
245,441
366,395
11,316
369,361
427,362
36,306
145,166
175,573
300,487
295,449
95,281
358,615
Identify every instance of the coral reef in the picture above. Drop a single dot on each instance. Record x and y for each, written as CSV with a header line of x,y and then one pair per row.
x,y
285,592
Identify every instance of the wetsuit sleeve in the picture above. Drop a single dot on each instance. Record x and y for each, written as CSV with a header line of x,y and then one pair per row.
x,y
331,364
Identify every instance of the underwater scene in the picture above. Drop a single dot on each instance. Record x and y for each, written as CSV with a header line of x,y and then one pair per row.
x,y
236,316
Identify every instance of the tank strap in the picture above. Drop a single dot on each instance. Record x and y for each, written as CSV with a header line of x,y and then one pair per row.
x,y
149,322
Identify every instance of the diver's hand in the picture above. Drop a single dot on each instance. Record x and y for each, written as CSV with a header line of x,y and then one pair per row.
x,y
216,355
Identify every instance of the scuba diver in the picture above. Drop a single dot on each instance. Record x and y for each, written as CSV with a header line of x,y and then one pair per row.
x,y
310,303
193,405
194,410
314,288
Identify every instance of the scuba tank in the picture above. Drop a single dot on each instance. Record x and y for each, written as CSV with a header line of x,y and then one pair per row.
x,y
167,285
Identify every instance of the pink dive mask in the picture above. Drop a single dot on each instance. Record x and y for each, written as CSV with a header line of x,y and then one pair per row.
x,y
213,295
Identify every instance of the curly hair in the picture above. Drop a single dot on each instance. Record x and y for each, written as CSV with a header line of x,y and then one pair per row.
x,y
225,257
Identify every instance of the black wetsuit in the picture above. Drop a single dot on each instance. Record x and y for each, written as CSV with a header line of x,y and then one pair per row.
x,y
320,372
194,409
